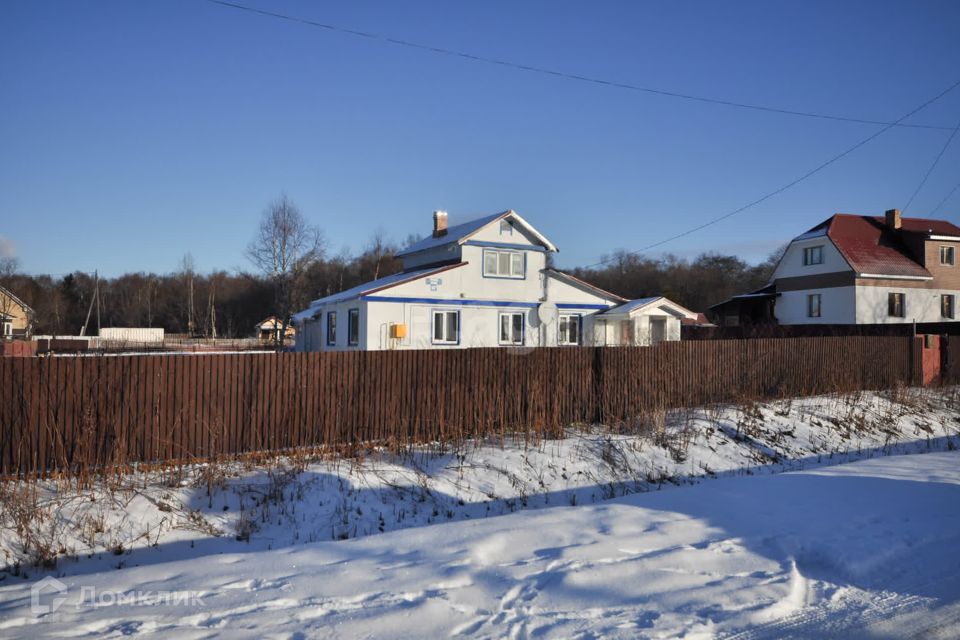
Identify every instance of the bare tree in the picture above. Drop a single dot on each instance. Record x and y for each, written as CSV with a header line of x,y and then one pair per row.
x,y
377,248
284,248
188,272
8,269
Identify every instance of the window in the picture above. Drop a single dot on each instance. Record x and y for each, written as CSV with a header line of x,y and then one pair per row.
x,y
947,306
446,327
569,330
511,328
895,306
332,328
506,229
503,264
947,255
813,305
353,327
813,255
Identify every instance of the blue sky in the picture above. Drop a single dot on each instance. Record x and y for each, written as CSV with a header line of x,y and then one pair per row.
x,y
134,132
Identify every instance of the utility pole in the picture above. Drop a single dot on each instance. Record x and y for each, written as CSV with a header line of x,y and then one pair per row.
x,y
186,266
94,299
190,326
212,309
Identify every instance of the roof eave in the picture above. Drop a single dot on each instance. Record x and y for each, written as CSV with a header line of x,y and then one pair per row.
x,y
889,276
577,281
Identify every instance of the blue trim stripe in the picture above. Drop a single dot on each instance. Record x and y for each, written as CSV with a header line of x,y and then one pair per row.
x,y
460,302
505,245
561,305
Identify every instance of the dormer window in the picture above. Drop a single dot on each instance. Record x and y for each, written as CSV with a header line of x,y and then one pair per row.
x,y
813,255
947,255
503,264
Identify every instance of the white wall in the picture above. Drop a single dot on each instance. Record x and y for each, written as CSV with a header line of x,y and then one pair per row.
x,y
862,305
479,326
635,329
792,265
643,333
312,334
837,306
922,305
132,334
479,287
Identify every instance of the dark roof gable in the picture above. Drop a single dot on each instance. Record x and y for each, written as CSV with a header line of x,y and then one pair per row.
x,y
870,246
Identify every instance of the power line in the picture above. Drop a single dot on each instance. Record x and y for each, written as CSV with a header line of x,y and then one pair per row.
x,y
932,166
562,74
783,188
945,198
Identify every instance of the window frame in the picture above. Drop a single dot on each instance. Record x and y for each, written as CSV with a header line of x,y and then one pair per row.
x,y
506,228
808,254
498,253
331,328
433,327
952,252
891,307
353,321
810,298
944,297
523,328
579,320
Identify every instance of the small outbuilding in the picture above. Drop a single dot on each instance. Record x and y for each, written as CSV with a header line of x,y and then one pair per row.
x,y
268,331
642,322
16,318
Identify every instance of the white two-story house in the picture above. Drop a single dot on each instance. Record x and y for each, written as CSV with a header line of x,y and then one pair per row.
x,y
482,283
854,269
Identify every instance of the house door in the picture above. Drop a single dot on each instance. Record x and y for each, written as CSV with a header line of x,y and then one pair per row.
x,y
658,330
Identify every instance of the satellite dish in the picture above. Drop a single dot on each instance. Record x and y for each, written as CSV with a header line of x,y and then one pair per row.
x,y
547,312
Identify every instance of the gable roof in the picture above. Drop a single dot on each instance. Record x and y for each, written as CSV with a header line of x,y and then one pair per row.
x,y
644,303
460,233
870,247
372,287
582,284
26,308
926,226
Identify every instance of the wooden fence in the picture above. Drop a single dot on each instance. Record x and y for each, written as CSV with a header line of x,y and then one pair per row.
x,y
951,359
70,413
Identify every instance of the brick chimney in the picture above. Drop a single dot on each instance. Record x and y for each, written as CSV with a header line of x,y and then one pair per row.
x,y
893,219
440,223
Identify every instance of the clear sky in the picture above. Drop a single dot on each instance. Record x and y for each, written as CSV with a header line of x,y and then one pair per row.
x,y
132,132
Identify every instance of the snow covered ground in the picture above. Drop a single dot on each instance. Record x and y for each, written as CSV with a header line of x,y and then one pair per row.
x,y
865,549
286,550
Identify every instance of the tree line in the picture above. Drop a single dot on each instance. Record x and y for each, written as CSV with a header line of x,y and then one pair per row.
x,y
293,267
696,283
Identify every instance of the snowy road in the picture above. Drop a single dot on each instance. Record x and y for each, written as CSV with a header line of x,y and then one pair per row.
x,y
867,549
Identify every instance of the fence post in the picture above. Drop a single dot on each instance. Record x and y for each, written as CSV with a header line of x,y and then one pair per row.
x,y
916,361
598,385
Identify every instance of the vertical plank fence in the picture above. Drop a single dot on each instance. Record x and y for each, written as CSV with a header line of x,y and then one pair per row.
x,y
72,413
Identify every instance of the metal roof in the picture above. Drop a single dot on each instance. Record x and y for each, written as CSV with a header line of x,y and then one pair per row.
x,y
641,303
870,246
370,287
460,233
